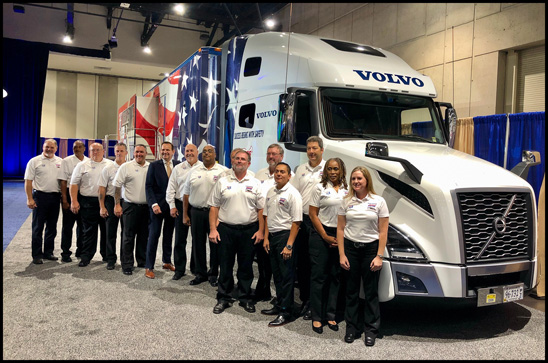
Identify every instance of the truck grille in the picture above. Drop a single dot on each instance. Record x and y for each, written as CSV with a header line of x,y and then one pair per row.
x,y
496,226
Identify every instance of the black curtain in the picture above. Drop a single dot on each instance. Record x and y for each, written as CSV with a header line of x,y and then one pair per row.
x,y
24,78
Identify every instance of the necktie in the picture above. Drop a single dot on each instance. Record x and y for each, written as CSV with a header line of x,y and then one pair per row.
x,y
168,167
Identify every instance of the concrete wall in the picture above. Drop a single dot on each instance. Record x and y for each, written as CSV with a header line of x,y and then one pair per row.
x,y
467,49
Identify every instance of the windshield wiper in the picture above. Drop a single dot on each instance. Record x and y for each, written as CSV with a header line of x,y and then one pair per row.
x,y
417,137
354,134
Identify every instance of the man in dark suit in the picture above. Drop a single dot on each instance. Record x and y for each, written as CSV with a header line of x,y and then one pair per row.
x,y
156,185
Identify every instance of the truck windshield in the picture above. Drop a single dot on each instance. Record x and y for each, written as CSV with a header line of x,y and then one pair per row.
x,y
379,115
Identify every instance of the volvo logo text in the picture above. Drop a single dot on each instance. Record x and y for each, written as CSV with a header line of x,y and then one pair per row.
x,y
389,78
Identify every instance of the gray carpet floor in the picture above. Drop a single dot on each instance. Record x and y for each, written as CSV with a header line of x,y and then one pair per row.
x,y
62,311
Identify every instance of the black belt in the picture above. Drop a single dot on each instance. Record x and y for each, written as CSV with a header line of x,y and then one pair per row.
x,y
240,226
359,244
41,192
203,209
274,234
137,204
85,196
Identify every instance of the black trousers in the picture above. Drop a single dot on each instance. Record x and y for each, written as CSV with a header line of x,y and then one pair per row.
x,y
135,222
324,276
154,231
360,259
69,219
199,228
303,258
236,241
283,270
181,235
92,222
111,223
46,213
262,289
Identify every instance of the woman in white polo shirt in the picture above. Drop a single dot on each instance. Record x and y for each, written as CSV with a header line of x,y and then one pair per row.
x,y
325,202
363,225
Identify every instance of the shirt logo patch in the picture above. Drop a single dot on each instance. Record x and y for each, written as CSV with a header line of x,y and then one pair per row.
x,y
228,187
281,201
215,177
371,205
199,177
248,188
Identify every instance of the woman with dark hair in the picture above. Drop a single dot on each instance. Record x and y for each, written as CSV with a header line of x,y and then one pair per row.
x,y
362,231
325,202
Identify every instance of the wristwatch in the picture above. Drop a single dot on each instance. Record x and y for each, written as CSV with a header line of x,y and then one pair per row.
x,y
289,247
381,256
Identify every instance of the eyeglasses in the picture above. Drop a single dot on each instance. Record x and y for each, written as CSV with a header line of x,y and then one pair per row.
x,y
208,151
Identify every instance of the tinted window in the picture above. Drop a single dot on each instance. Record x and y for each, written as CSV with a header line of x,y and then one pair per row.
x,y
247,116
252,66
353,47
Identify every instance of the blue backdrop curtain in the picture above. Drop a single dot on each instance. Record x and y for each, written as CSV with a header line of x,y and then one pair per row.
x,y
24,78
527,133
489,138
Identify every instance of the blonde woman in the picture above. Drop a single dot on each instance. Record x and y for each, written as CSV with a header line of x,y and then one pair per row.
x,y
363,226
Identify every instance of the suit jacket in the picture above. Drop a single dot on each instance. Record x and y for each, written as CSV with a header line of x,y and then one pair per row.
x,y
156,184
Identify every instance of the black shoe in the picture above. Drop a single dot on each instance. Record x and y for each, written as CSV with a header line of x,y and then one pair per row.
x,y
197,281
83,263
307,315
369,341
274,301
220,307
110,266
127,271
273,311
37,261
66,259
178,275
318,330
51,258
248,306
350,337
280,320
334,327
213,281
142,265
305,307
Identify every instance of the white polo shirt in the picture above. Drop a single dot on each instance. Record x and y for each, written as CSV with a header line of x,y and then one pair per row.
x,y
283,207
362,217
230,171
107,177
306,179
132,177
328,202
86,175
200,182
177,181
238,200
43,172
267,179
67,167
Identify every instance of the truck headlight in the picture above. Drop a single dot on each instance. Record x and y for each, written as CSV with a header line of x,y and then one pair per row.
x,y
400,247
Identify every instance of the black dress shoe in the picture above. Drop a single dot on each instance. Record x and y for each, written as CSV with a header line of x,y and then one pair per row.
x,y
307,315
220,307
127,271
248,306
318,330
51,258
334,327
110,266
83,263
197,281
213,281
66,259
273,311
350,337
37,261
280,320
178,275
369,341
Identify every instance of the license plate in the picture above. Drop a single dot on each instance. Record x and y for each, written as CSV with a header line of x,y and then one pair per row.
x,y
513,293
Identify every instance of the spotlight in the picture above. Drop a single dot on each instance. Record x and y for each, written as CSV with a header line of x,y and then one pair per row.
x,y
270,23
67,39
147,50
113,42
179,9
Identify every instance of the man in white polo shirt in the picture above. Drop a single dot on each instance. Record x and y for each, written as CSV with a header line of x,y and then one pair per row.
x,y
85,179
106,203
134,211
236,224
69,218
174,197
198,185
43,198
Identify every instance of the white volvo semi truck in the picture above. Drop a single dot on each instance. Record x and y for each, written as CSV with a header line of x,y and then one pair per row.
x,y
460,227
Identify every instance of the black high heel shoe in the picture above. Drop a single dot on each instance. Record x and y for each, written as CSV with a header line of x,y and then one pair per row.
x,y
334,327
318,330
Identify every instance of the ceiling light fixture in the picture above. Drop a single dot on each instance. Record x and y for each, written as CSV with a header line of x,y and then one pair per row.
x,y
179,9
270,23
147,50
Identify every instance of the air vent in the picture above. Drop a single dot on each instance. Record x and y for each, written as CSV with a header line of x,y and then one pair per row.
x,y
103,68
408,191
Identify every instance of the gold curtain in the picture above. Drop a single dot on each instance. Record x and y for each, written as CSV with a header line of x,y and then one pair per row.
x,y
406,129
540,292
464,135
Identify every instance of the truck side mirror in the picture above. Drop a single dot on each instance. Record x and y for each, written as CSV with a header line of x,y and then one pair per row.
x,y
286,118
451,124
376,148
528,159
